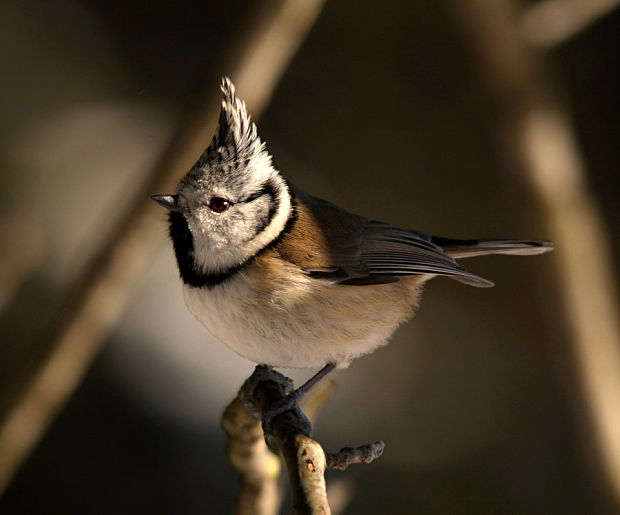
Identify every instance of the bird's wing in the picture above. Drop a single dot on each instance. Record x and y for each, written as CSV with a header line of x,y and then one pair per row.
x,y
387,250
332,244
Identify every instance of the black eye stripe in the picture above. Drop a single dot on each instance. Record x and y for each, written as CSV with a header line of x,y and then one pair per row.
x,y
270,190
267,189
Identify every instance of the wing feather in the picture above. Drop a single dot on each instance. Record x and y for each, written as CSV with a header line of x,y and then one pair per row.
x,y
332,244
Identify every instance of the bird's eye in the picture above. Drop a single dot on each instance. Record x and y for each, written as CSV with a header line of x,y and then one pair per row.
x,y
218,204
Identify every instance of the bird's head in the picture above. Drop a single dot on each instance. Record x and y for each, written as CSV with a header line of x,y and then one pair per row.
x,y
232,203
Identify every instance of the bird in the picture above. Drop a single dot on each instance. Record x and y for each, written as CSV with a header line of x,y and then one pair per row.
x,y
286,279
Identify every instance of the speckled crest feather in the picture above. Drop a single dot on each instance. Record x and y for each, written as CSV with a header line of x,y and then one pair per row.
x,y
236,138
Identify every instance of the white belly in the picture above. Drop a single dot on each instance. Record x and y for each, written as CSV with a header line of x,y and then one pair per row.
x,y
281,318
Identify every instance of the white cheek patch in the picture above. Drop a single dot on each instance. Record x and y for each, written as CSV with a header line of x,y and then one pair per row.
x,y
224,243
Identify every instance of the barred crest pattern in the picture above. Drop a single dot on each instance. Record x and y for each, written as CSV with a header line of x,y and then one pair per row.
x,y
236,139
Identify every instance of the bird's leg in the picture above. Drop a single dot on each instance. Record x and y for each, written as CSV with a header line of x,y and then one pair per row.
x,y
289,402
307,386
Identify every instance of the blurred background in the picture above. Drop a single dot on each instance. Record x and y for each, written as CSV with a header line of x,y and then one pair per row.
x,y
393,112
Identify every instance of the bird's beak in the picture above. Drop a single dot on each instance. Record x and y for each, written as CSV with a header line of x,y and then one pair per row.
x,y
170,202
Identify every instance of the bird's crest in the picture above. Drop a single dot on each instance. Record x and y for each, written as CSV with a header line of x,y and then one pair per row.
x,y
236,138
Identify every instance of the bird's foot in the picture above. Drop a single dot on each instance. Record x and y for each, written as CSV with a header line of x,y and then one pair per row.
x,y
288,403
284,404
263,373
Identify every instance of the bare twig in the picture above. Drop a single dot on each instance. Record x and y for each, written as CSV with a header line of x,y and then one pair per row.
x,y
94,306
258,467
536,141
305,459
552,22
349,455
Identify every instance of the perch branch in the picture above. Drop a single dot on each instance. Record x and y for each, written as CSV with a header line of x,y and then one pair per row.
x,y
97,301
259,468
305,459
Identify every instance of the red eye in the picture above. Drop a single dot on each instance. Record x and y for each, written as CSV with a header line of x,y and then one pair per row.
x,y
218,204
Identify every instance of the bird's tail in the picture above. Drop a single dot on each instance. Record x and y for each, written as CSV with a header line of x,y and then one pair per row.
x,y
470,248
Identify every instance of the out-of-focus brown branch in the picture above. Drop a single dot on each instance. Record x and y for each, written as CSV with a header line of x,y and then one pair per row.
x,y
305,459
258,467
94,306
552,22
21,251
537,143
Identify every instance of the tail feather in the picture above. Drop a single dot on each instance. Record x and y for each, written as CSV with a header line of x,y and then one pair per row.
x,y
470,248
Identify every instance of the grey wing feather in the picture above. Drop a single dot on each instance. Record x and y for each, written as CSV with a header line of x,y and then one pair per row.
x,y
392,251
386,252
470,248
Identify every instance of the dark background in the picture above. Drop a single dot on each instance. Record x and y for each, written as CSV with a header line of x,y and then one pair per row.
x,y
382,112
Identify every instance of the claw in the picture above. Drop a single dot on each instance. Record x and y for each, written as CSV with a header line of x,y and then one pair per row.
x,y
288,403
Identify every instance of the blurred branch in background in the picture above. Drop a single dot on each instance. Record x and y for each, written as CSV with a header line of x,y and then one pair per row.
x,y
259,469
261,55
551,22
537,142
22,250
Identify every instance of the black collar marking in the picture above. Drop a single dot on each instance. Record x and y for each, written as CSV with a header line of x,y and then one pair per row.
x,y
183,244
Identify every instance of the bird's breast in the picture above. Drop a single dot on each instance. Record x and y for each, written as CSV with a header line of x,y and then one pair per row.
x,y
271,312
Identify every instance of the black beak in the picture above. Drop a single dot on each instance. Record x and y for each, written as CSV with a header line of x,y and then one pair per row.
x,y
170,202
